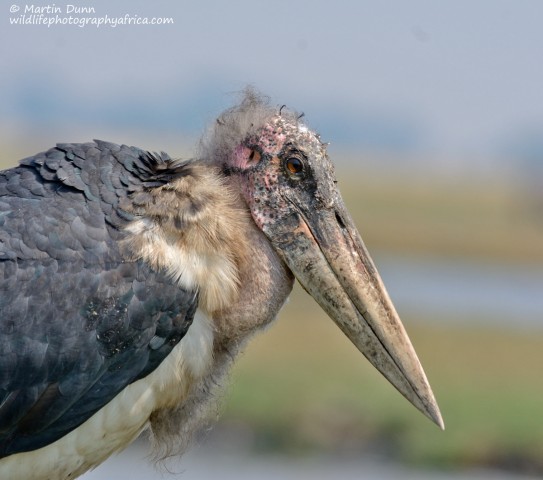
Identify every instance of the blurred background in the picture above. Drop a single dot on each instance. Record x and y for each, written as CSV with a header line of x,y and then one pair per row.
x,y
434,112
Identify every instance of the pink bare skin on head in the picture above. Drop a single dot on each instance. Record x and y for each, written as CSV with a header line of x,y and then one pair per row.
x,y
272,137
270,142
269,145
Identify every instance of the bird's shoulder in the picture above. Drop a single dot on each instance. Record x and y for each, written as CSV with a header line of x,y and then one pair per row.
x,y
74,199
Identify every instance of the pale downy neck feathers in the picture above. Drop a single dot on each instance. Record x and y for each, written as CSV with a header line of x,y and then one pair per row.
x,y
193,229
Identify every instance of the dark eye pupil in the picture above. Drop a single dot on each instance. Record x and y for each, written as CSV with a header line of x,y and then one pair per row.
x,y
294,165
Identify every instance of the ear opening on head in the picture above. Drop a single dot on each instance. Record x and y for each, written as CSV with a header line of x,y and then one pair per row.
x,y
253,158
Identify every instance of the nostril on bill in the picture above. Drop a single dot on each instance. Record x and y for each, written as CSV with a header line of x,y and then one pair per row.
x,y
340,221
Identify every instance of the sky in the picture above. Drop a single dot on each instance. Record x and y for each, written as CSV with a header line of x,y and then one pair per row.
x,y
456,79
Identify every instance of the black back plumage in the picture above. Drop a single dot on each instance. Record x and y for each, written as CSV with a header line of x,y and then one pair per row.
x,y
79,320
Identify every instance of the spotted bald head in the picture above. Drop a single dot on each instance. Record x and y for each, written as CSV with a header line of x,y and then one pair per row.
x,y
277,157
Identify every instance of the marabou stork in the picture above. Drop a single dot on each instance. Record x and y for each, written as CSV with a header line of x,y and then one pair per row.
x,y
129,281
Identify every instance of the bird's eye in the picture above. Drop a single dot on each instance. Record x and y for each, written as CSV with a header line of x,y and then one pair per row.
x,y
294,167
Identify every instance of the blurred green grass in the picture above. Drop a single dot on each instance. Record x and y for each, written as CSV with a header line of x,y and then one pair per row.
x,y
302,387
489,217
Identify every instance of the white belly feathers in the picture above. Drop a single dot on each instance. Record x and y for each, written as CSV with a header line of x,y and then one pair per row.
x,y
119,422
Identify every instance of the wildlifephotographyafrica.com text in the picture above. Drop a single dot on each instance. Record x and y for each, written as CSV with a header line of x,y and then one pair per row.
x,y
78,15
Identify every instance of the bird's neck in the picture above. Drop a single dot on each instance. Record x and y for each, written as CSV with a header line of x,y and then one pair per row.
x,y
266,283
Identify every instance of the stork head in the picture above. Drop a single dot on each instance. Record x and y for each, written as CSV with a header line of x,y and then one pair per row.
x,y
288,182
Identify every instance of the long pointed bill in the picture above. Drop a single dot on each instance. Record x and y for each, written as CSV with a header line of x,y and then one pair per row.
x,y
327,256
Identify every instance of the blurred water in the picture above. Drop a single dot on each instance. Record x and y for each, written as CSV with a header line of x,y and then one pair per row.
x,y
206,463
465,290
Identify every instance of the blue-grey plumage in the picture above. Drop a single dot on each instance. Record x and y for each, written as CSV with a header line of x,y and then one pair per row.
x,y
129,281
79,321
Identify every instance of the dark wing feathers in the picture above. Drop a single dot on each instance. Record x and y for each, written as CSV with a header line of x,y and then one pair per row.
x,y
78,320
